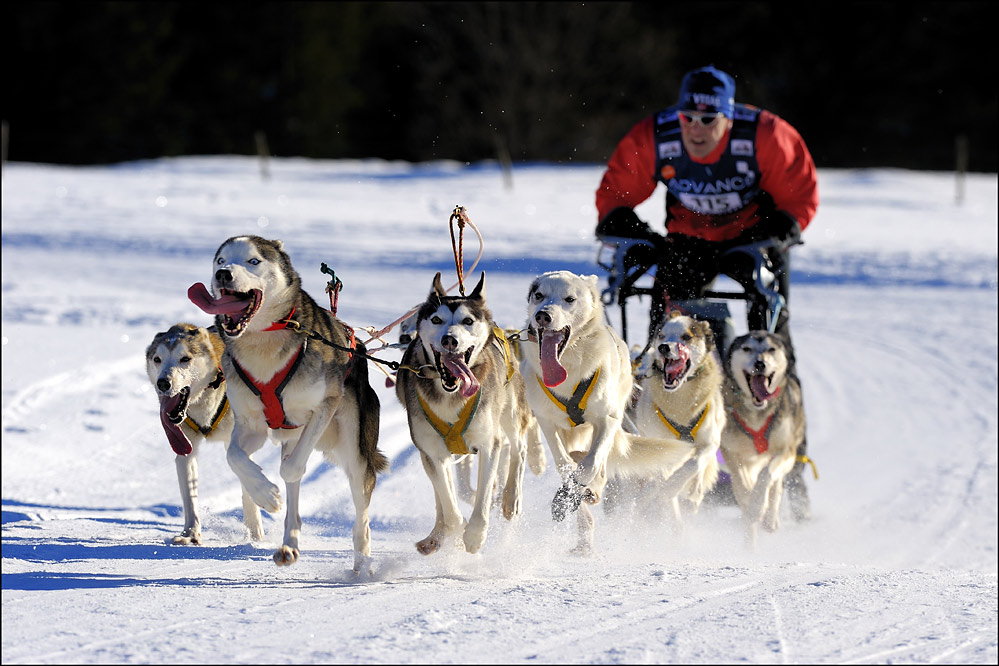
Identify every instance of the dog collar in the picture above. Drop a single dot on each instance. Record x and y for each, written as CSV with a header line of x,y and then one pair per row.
x,y
684,433
282,324
453,433
576,405
219,415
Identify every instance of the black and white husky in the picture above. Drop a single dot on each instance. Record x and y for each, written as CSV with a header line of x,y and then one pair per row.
x,y
464,396
295,374
765,426
184,364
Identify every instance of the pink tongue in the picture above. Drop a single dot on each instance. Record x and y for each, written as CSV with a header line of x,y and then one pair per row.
x,y
758,383
201,297
554,373
455,363
178,440
676,366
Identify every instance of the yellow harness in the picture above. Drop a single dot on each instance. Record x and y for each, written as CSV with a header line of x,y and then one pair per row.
x,y
684,433
453,433
576,406
219,415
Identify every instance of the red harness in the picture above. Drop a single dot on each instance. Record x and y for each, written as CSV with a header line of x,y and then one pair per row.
x,y
270,393
761,437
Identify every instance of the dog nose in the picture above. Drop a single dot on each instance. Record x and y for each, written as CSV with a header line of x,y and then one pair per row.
x,y
163,384
223,275
449,342
543,318
760,366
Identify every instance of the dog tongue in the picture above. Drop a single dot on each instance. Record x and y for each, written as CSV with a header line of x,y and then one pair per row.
x,y
178,440
554,373
675,367
201,297
455,363
758,384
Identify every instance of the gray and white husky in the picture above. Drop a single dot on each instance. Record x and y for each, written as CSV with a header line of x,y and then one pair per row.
x,y
464,396
183,363
681,399
765,426
295,374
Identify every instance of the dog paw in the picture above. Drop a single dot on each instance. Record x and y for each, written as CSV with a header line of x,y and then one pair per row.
x,y
268,498
582,550
285,556
188,538
567,499
363,569
474,539
429,545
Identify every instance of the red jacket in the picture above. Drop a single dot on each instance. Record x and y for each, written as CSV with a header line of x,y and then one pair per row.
x,y
787,174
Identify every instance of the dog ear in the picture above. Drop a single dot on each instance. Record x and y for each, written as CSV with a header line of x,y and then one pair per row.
x,y
480,289
704,328
593,283
530,290
438,289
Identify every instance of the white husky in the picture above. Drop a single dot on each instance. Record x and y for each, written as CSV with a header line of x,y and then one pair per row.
x,y
681,398
578,375
184,364
464,397
296,374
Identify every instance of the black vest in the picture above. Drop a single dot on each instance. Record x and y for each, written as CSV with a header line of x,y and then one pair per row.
x,y
724,187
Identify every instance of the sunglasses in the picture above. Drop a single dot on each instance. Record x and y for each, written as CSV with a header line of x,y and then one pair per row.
x,y
706,119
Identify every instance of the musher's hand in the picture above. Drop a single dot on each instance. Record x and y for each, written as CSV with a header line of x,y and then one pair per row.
x,y
780,226
624,223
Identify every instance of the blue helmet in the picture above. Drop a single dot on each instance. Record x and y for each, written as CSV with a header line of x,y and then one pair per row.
x,y
707,89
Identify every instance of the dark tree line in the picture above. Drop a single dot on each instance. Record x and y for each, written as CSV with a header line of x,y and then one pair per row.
x,y
866,83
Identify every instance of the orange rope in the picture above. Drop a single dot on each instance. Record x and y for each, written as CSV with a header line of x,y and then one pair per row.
x,y
458,214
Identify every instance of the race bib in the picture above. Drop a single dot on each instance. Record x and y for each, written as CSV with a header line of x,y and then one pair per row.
x,y
711,204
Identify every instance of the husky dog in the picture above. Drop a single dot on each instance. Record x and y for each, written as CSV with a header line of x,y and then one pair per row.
x,y
464,396
766,425
184,364
295,373
681,398
577,370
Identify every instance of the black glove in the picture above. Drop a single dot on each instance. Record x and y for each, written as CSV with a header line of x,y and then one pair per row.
x,y
624,223
779,225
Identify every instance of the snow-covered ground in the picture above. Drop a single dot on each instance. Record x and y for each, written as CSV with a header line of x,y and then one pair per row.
x,y
895,323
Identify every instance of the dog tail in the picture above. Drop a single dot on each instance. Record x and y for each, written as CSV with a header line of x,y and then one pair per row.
x,y
638,456
369,409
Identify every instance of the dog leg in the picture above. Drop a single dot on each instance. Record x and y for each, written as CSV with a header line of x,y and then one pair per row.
x,y
513,488
288,553
251,518
449,519
187,477
478,522
585,523
362,483
243,445
753,511
536,459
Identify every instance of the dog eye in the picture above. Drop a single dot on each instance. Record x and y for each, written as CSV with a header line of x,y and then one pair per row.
x,y
686,337
538,296
185,359
220,261
253,262
468,321
157,360
570,299
436,320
